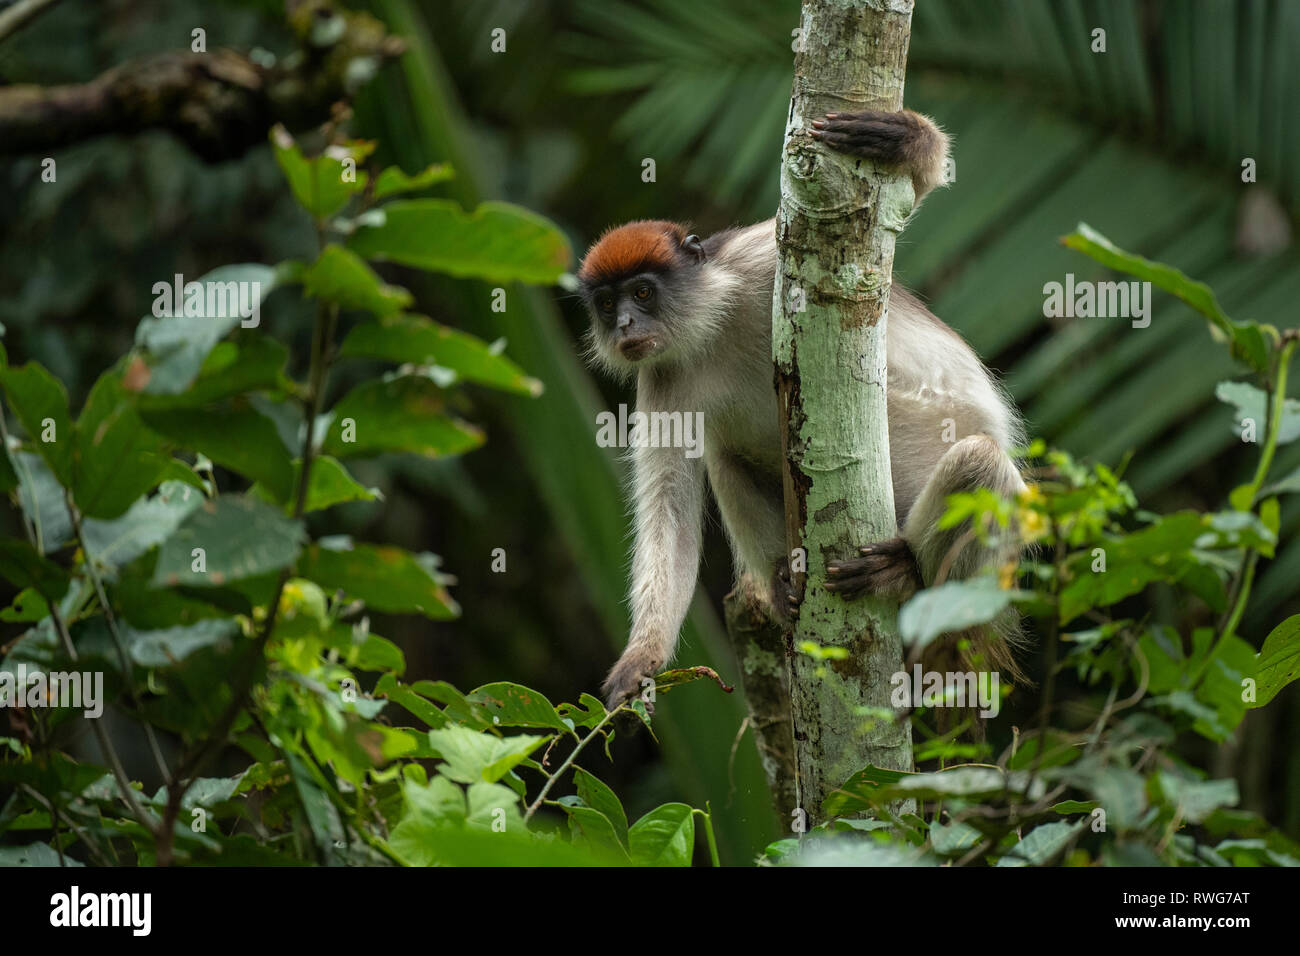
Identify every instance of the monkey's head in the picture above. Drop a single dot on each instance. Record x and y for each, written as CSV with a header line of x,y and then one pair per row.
x,y
636,281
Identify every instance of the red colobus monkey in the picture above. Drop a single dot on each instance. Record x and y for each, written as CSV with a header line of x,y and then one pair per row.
x,y
691,320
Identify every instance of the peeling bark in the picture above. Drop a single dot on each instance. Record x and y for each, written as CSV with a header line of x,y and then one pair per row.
x,y
836,229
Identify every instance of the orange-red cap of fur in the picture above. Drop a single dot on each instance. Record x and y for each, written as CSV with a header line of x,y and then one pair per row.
x,y
643,246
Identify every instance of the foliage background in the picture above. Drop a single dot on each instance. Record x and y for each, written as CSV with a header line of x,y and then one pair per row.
x,y
1145,143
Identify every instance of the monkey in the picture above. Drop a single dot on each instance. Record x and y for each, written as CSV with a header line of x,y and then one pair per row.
x,y
689,319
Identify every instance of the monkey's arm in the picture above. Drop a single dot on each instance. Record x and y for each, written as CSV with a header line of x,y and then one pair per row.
x,y
904,139
669,495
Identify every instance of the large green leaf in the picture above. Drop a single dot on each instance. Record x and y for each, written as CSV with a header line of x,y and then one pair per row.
x,y
401,413
147,523
952,606
231,368
498,241
418,340
227,539
343,278
1279,660
118,459
385,577
235,437
513,705
470,756
41,403
663,837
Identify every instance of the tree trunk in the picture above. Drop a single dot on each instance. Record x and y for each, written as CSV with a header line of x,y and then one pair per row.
x,y
836,229
761,650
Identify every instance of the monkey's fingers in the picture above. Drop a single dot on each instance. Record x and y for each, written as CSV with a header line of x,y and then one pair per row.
x,y
885,567
872,134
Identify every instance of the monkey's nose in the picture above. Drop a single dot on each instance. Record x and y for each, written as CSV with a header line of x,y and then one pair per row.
x,y
623,322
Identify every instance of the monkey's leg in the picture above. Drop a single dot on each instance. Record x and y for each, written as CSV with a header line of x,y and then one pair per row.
x,y
904,139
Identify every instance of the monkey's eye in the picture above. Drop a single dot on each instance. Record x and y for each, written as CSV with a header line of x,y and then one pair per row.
x,y
605,303
643,292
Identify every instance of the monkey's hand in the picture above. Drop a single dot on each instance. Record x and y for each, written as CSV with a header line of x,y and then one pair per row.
x,y
904,139
887,567
633,676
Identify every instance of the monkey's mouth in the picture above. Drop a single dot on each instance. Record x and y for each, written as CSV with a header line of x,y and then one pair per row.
x,y
636,349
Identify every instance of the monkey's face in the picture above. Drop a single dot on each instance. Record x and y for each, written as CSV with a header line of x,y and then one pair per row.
x,y
628,326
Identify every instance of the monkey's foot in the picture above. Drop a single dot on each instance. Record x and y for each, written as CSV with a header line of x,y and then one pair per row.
x,y
891,138
632,676
887,567
785,602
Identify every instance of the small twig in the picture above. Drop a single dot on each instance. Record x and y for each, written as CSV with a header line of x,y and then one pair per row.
x,y
550,781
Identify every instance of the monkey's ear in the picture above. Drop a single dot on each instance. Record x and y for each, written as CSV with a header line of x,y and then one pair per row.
x,y
692,246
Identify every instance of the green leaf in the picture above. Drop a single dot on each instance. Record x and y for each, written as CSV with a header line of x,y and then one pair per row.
x,y
1252,403
118,459
319,183
513,705
1041,844
406,413
23,567
1247,339
1279,660
857,793
238,537
1196,799
171,645
498,241
148,522
602,799
952,606
590,828
470,756
953,840
230,369
385,577
41,403
418,340
42,499
588,712
663,837
175,348
330,484
35,854
393,180
28,606
343,278
235,437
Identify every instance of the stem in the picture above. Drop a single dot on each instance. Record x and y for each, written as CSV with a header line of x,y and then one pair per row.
x,y
550,781
1277,407
707,814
